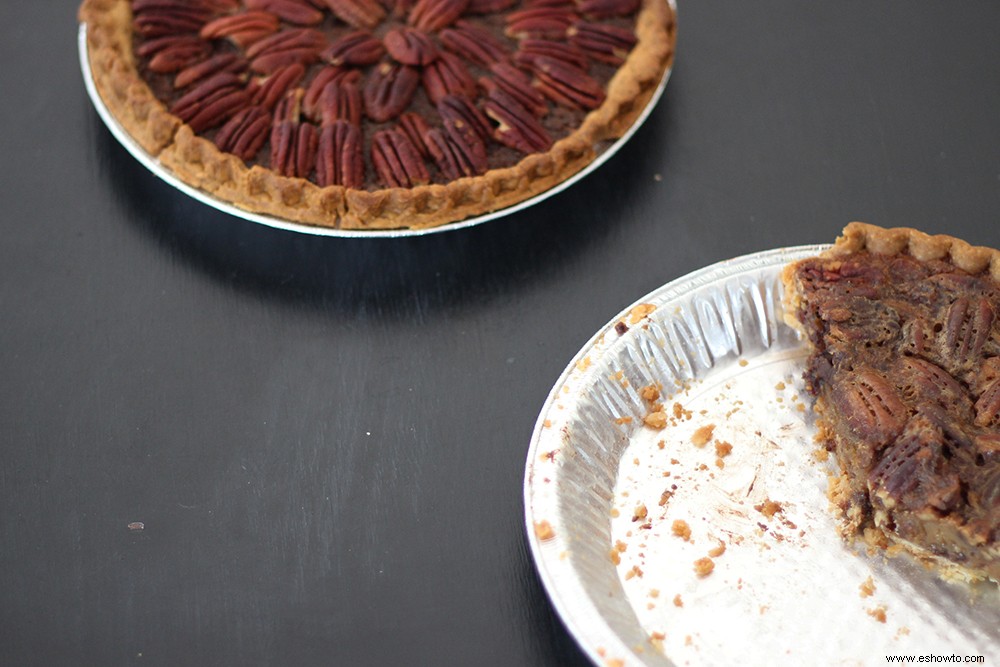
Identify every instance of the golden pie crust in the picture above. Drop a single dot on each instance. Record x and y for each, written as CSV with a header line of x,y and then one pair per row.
x,y
905,371
255,189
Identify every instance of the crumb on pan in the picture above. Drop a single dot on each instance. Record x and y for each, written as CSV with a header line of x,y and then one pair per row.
x,y
543,530
718,550
639,312
768,508
650,393
681,529
702,435
878,613
656,419
704,566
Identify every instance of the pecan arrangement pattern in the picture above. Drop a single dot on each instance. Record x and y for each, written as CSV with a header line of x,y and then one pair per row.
x,y
377,113
400,92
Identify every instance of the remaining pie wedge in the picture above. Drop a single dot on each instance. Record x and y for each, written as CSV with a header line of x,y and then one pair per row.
x,y
905,370
368,114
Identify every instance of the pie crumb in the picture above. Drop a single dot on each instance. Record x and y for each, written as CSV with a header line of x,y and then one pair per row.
x,y
681,529
650,393
878,613
867,588
718,550
768,508
703,435
656,419
543,530
704,566
678,602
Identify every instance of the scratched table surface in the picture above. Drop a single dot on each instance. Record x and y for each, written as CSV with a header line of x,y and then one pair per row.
x,y
227,444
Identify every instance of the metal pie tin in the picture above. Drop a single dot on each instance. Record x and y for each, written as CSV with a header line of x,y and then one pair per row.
x,y
710,541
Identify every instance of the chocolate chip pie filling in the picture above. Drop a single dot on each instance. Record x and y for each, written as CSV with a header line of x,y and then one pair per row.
x,y
376,113
905,370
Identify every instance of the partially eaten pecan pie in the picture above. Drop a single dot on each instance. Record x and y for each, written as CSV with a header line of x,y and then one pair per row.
x,y
376,113
905,368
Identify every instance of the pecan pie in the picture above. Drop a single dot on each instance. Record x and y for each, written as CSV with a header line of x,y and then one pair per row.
x,y
905,370
367,114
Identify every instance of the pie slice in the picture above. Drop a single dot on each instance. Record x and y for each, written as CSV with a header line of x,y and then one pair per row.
x,y
376,114
905,371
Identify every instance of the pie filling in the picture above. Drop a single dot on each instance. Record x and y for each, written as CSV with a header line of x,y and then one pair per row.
x,y
905,368
373,95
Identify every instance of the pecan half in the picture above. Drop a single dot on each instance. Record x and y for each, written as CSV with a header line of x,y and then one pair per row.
x,y
295,45
517,84
241,29
168,18
174,53
988,406
410,46
606,43
870,405
914,472
398,8
389,90
293,143
339,158
967,327
516,126
224,62
452,160
459,112
468,40
244,134
359,47
918,377
489,6
268,91
397,161
603,9
539,23
211,102
534,4
314,91
416,128
567,85
365,14
341,100
299,12
468,129
433,15
447,76
530,49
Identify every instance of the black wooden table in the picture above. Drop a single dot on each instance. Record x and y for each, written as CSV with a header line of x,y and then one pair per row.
x,y
324,439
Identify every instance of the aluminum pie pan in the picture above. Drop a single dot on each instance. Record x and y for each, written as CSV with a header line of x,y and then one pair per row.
x,y
153,164
602,493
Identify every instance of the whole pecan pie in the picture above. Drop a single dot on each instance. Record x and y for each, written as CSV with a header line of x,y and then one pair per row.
x,y
367,114
905,368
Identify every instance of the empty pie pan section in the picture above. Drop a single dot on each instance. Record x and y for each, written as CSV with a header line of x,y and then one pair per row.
x,y
167,175
701,533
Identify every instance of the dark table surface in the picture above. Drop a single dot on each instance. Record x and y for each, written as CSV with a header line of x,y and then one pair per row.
x,y
325,438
